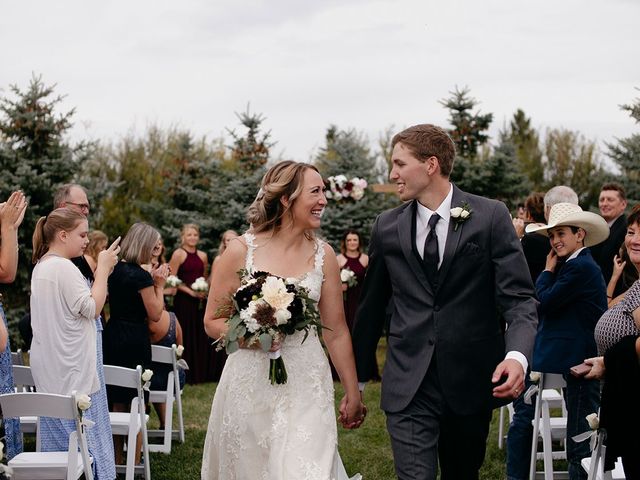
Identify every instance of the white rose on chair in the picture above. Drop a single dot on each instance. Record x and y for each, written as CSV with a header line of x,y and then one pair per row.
x,y
593,421
83,401
146,375
200,285
179,350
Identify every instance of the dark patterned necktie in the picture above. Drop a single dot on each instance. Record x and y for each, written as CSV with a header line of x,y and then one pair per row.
x,y
431,257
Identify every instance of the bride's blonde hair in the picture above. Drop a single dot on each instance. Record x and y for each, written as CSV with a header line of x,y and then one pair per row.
x,y
285,179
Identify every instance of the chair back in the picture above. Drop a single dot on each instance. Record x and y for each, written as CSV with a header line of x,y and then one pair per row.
x,y
124,377
16,357
38,404
23,378
162,354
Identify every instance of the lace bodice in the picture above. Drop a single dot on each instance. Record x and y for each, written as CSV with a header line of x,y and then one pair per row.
x,y
312,280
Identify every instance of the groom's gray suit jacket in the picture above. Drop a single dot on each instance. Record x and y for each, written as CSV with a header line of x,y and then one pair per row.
x,y
483,283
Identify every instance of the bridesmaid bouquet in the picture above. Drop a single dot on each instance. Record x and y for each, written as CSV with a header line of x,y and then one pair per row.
x,y
348,276
267,308
339,187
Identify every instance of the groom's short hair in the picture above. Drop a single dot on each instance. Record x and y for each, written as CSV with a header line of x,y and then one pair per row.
x,y
426,141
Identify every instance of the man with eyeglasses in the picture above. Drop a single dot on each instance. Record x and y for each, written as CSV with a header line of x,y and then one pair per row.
x,y
74,196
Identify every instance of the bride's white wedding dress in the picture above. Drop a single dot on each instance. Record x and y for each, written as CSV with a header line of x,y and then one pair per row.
x,y
276,432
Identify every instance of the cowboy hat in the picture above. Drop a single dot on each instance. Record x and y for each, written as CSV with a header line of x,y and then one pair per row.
x,y
570,215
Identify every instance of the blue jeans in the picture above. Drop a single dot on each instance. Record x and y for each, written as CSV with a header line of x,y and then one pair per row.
x,y
582,397
519,437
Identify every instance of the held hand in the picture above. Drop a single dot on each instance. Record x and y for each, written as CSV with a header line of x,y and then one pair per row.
x,y
108,258
514,383
618,266
160,275
552,261
12,211
352,412
597,368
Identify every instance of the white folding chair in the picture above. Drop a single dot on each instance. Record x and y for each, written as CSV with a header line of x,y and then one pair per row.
x,y
172,394
548,428
69,465
23,382
594,465
16,357
501,431
552,396
131,423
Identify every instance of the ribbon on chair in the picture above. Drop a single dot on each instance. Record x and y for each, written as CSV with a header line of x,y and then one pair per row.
x,y
531,391
182,364
592,434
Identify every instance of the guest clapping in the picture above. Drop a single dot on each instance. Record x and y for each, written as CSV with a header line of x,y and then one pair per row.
x,y
11,216
135,298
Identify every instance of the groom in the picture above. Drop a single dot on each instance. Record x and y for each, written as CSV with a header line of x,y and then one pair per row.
x,y
453,269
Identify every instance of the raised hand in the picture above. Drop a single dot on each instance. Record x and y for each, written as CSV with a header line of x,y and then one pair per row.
x,y
160,274
12,211
108,258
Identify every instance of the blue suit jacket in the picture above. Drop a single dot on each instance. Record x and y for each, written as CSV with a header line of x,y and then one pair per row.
x,y
571,302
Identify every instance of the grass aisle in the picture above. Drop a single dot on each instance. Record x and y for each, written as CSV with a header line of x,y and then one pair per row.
x,y
366,450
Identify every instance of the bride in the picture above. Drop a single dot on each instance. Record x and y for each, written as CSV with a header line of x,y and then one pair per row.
x,y
282,432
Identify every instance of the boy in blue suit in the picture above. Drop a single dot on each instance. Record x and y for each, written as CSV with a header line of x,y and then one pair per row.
x,y
572,298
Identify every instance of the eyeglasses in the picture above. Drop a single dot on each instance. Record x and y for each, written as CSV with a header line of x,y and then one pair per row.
x,y
82,206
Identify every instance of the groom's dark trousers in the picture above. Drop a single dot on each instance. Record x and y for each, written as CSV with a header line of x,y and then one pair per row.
x,y
444,340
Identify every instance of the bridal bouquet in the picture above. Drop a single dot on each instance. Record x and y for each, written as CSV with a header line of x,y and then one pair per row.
x,y
339,187
348,276
267,308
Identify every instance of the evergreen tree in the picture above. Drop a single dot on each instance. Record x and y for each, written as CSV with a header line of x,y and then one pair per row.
x,y
469,129
626,154
526,140
346,152
36,158
572,160
252,150
497,176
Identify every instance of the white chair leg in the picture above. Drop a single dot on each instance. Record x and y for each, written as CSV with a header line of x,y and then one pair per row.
x,y
501,428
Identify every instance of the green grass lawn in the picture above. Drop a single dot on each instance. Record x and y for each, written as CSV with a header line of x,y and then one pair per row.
x,y
366,450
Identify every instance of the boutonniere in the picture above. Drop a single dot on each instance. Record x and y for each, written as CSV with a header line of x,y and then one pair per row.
x,y
460,214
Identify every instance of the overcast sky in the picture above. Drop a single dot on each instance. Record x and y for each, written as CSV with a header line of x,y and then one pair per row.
x,y
305,65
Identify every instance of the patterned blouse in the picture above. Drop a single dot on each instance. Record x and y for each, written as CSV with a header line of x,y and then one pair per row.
x,y
617,322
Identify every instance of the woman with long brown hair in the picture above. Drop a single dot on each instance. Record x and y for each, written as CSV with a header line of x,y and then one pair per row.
x,y
260,430
64,315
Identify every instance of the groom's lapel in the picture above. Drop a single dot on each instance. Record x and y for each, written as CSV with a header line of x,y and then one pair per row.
x,y
406,234
453,237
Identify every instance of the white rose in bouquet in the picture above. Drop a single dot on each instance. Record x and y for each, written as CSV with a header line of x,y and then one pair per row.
x,y
173,281
348,276
200,285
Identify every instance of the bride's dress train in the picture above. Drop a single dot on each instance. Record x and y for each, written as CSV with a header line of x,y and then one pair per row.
x,y
276,432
